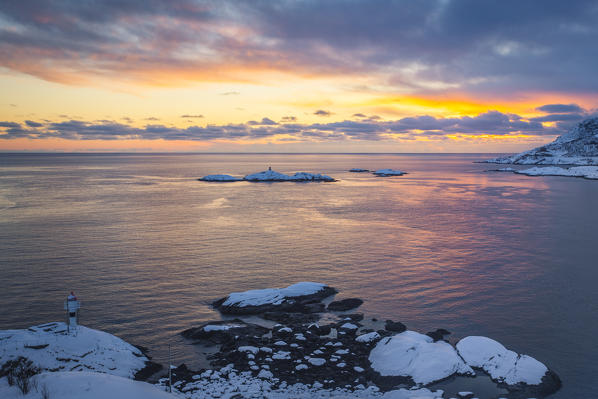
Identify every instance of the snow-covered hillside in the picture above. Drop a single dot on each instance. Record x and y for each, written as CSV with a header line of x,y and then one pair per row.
x,y
578,147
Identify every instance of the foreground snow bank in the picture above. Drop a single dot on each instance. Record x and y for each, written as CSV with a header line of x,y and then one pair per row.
x,y
85,385
415,355
228,382
49,347
502,364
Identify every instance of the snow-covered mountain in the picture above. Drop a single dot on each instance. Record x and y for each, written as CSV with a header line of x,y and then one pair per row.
x,y
577,147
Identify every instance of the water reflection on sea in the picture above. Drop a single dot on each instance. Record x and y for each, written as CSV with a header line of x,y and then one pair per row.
x,y
147,247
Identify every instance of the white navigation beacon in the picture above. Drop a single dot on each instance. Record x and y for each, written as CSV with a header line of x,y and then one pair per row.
x,y
72,305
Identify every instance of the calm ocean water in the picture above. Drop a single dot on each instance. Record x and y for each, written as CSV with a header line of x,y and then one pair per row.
x,y
147,247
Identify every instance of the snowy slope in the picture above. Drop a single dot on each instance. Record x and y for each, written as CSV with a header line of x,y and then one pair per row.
x,y
577,147
50,348
85,385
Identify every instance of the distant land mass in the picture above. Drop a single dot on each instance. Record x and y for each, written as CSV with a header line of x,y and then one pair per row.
x,y
577,147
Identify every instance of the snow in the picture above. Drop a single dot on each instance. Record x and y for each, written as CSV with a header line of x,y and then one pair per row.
x,y
502,364
589,172
223,327
388,172
86,349
349,326
416,355
251,349
358,170
231,383
265,374
281,355
369,337
271,175
221,178
273,296
316,361
577,147
86,385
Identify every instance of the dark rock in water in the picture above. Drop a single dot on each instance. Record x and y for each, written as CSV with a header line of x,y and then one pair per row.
x,y
353,316
290,318
549,385
295,303
223,331
345,304
395,326
150,369
438,335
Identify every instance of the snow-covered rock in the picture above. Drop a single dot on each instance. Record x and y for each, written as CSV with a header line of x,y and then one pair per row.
x,y
85,385
220,178
50,348
316,361
577,147
588,172
415,355
271,175
258,301
388,172
369,337
502,364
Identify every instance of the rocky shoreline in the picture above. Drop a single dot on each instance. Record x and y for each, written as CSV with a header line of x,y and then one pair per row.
x,y
340,355
313,350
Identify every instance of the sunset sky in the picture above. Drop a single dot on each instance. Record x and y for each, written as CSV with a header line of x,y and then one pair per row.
x,y
295,76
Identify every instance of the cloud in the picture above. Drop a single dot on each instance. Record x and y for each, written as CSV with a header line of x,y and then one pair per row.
x,y
33,124
474,46
560,108
559,118
288,119
430,127
230,93
191,116
322,112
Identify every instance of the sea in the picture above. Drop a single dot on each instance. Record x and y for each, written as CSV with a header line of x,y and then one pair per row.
x,y
453,244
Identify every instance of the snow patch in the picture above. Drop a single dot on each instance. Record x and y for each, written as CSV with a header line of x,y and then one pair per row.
x,y
502,364
416,355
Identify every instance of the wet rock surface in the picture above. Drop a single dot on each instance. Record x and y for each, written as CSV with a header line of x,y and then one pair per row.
x,y
345,304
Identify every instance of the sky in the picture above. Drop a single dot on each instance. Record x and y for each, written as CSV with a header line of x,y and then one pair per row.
x,y
294,75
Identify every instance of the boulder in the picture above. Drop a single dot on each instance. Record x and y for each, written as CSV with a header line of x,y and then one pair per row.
x,y
345,304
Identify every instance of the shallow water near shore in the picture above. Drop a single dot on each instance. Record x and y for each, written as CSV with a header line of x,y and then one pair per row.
x,y
147,247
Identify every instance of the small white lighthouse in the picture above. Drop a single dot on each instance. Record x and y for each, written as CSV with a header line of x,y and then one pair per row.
x,y
72,305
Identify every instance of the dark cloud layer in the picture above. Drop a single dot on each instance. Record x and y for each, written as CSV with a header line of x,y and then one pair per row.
x,y
508,45
560,108
488,123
